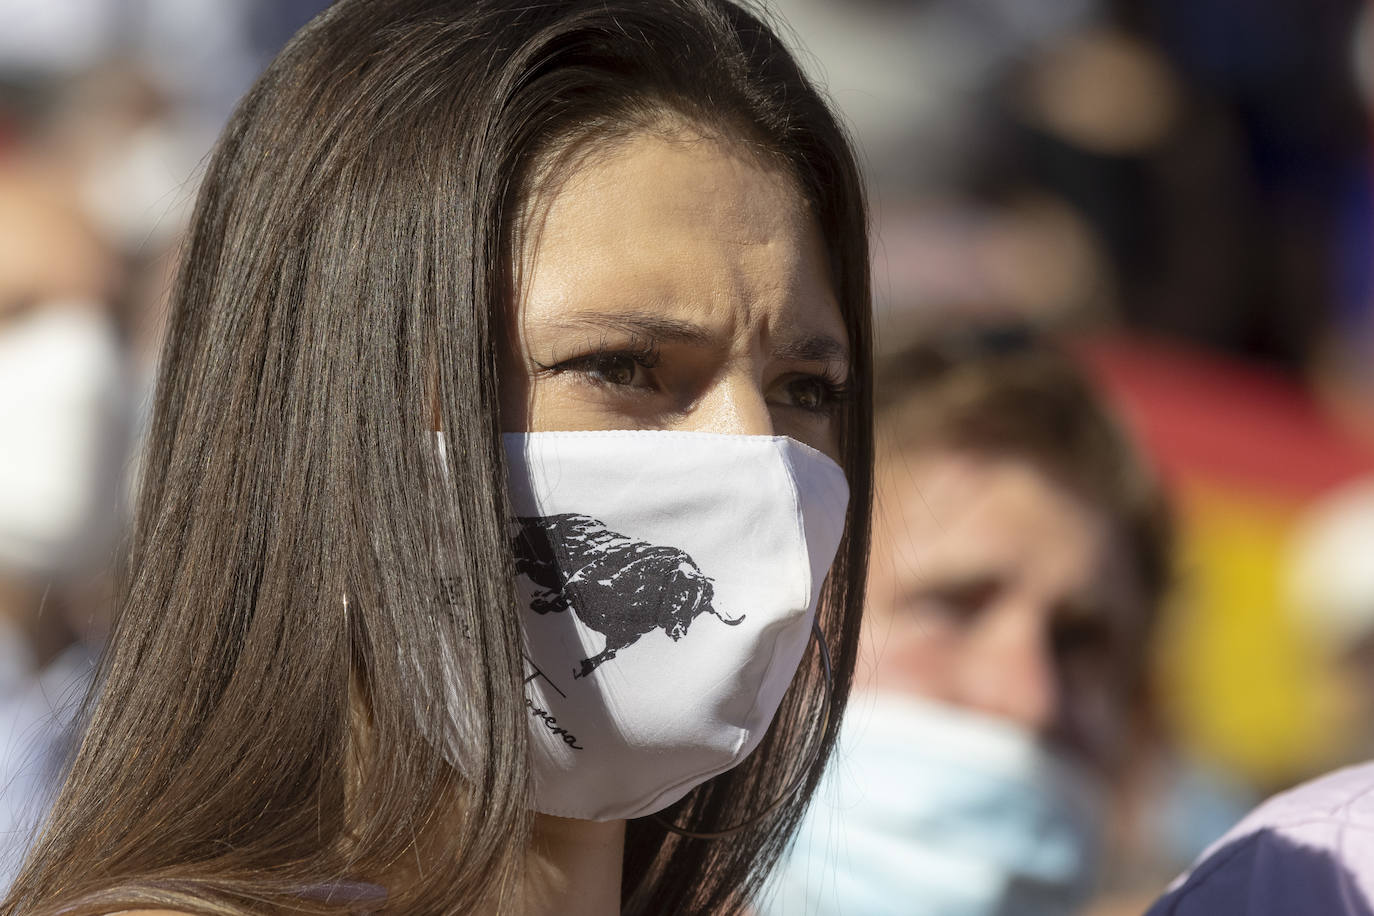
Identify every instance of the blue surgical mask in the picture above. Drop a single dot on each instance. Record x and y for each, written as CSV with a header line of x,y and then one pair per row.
x,y
929,809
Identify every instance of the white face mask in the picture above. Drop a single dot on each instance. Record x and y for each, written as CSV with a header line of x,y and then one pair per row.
x,y
930,810
669,583
62,433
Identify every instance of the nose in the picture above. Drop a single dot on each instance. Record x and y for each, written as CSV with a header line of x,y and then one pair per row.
x,y
1009,671
734,405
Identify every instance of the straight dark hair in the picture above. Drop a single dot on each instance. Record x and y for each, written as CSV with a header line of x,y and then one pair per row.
x,y
305,579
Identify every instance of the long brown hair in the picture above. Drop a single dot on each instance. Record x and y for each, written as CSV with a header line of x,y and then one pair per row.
x,y
252,741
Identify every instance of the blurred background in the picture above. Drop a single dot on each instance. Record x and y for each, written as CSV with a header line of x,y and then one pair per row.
x,y
1181,192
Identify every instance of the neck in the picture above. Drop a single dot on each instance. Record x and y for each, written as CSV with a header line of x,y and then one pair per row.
x,y
575,867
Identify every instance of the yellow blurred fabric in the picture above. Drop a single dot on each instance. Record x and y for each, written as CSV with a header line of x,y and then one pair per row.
x,y
1244,683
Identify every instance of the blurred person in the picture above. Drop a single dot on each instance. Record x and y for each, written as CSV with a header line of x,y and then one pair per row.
x,y
103,115
916,80
1330,586
922,85
1310,849
1341,372
104,164
1307,850
63,433
1228,233
1018,556
205,53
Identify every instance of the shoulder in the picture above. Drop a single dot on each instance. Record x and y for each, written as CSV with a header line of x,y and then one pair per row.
x,y
1346,795
1310,849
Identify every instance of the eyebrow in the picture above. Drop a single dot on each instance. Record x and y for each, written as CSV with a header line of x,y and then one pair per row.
x,y
811,347
646,324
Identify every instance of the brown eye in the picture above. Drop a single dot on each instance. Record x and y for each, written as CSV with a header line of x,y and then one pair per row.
x,y
808,394
615,368
814,394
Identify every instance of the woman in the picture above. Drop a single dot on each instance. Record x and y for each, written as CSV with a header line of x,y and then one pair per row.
x,y
329,686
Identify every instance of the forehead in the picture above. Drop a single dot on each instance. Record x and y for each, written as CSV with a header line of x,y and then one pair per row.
x,y
942,511
679,223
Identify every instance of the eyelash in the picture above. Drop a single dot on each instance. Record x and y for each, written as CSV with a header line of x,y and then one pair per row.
x,y
646,355
838,392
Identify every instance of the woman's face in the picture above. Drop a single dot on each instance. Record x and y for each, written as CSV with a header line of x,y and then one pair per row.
x,y
675,282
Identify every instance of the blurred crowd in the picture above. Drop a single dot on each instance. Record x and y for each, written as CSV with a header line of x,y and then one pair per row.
x,y
1123,570
1177,192
106,110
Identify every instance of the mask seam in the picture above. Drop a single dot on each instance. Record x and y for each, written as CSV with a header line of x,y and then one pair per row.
x,y
803,547
752,441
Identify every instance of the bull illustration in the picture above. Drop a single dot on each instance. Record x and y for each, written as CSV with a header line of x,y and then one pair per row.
x,y
620,587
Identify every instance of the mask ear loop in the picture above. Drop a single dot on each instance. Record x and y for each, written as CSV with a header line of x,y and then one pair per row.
x,y
792,786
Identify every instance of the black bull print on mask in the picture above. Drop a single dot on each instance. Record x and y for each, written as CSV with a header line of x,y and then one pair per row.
x,y
620,587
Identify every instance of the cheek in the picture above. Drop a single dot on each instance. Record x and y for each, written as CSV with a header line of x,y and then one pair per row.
x,y
560,403
1097,715
820,431
912,657
1097,725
